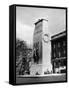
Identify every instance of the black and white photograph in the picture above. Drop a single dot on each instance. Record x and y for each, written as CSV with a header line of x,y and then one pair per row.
x,y
41,44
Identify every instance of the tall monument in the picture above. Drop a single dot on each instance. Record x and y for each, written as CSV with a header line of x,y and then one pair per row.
x,y
41,48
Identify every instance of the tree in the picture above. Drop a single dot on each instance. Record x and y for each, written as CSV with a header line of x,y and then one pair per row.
x,y
23,57
21,53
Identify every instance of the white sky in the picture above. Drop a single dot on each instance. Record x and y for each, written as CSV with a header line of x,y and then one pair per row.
x,y
27,16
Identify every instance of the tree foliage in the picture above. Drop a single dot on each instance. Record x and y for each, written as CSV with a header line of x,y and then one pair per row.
x,y
22,58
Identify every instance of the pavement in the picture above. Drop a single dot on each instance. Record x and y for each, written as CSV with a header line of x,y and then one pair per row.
x,y
41,78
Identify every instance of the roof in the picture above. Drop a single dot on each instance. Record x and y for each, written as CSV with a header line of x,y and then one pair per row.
x,y
59,35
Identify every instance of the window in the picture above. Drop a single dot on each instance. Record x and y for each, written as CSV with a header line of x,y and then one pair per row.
x,y
58,44
63,43
54,46
59,54
54,55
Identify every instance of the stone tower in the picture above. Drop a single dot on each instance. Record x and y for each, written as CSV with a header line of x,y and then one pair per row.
x,y
41,48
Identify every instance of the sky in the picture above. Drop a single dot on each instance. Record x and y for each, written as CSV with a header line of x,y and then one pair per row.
x,y
27,16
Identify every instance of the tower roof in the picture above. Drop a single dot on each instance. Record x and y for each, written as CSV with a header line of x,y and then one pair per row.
x,y
40,20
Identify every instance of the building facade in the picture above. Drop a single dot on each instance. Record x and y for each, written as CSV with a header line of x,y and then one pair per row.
x,y
59,52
